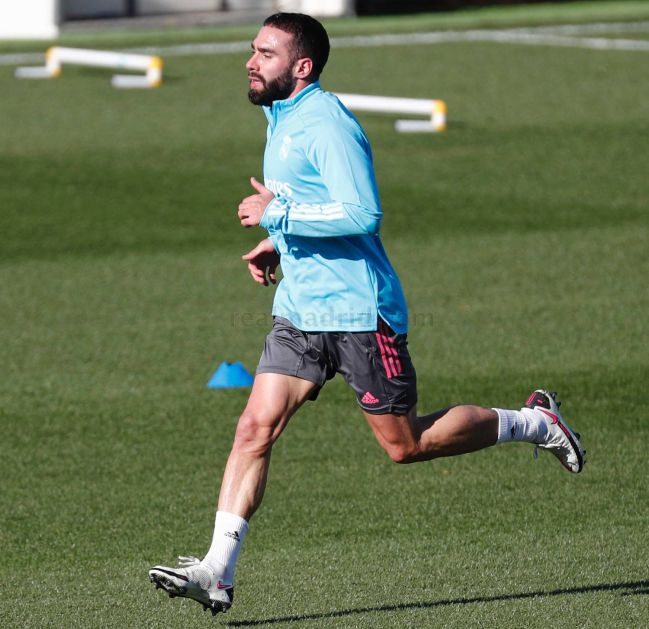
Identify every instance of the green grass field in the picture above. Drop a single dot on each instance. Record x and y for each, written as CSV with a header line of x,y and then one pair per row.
x,y
521,238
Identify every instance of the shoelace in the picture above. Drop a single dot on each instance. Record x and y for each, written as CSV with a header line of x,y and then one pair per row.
x,y
188,562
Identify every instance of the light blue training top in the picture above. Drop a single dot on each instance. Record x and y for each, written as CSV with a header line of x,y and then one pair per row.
x,y
325,219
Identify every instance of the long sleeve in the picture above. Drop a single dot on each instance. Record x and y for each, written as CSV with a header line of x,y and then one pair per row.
x,y
319,220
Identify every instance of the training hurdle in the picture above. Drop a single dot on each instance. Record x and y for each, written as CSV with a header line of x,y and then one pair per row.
x,y
436,109
57,56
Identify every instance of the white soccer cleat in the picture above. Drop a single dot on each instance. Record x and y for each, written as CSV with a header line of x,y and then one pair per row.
x,y
560,440
194,580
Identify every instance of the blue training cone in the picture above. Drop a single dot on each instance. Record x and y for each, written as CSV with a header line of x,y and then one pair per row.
x,y
229,376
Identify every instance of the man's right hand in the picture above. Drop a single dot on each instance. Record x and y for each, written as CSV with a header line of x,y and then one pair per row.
x,y
262,262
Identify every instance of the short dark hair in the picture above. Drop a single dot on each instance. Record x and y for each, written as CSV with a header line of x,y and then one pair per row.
x,y
309,36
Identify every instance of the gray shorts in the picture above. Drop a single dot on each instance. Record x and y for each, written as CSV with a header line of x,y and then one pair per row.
x,y
376,364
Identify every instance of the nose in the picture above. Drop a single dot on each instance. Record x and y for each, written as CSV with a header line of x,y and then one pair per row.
x,y
251,64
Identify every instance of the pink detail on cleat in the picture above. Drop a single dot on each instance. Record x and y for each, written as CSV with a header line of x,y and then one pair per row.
x,y
552,416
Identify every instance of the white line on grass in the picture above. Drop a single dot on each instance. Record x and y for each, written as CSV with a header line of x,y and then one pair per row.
x,y
497,36
537,36
596,27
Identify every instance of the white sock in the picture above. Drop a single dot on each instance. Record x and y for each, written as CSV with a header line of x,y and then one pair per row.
x,y
229,531
523,425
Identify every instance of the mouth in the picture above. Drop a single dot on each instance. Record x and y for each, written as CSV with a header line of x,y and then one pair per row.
x,y
255,82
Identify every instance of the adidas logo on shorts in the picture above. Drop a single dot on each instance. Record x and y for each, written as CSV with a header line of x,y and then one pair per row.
x,y
368,398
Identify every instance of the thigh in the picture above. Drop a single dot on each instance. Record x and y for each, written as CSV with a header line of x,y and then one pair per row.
x,y
273,400
395,432
275,394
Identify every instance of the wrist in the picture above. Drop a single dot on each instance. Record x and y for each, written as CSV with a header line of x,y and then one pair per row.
x,y
273,213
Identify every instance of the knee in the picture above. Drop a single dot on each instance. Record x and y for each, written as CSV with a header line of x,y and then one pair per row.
x,y
401,453
254,433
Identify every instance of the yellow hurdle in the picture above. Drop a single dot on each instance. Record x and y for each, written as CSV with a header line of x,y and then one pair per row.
x,y
436,110
57,56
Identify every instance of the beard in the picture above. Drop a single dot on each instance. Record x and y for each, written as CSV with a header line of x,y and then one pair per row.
x,y
279,88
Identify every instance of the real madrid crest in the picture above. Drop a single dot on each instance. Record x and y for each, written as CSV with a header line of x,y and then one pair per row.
x,y
285,148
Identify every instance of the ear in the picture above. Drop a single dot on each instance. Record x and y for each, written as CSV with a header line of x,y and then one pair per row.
x,y
303,68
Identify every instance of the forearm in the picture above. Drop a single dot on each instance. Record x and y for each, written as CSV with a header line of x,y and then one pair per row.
x,y
320,220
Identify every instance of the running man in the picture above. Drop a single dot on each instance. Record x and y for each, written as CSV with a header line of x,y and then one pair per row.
x,y
338,309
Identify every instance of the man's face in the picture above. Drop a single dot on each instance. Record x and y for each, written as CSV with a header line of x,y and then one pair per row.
x,y
270,68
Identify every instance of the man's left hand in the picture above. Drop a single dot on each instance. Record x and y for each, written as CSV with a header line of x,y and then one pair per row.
x,y
252,208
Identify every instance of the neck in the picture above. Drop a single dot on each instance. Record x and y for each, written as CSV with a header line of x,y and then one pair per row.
x,y
299,86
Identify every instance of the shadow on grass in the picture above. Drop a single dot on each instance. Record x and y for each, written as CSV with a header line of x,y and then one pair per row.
x,y
632,587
